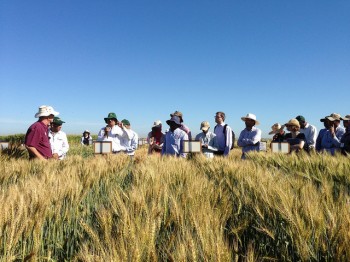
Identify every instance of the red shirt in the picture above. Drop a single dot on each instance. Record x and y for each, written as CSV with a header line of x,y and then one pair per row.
x,y
37,136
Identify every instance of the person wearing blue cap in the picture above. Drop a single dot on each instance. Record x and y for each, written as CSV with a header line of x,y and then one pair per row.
x,y
173,140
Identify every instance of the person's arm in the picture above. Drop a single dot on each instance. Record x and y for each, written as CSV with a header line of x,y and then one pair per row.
x,y
101,134
65,146
181,153
313,135
33,151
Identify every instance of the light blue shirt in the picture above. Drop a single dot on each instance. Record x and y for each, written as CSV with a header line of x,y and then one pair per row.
x,y
249,139
173,143
339,132
330,143
208,139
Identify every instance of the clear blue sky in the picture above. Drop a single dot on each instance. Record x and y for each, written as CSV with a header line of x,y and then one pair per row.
x,y
146,59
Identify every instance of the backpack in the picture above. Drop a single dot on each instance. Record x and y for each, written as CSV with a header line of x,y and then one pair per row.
x,y
233,136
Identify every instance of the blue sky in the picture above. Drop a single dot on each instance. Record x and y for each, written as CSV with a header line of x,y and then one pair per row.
x,y
146,59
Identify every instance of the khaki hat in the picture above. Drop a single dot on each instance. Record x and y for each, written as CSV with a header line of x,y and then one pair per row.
x,y
205,126
293,122
250,116
179,114
275,128
336,116
327,117
347,117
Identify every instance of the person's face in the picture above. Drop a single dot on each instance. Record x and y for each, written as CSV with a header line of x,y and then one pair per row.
x,y
249,123
302,124
346,123
327,123
173,125
218,119
55,127
111,122
289,128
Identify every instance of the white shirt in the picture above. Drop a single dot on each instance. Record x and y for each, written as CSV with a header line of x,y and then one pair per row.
x,y
116,134
130,144
59,143
310,133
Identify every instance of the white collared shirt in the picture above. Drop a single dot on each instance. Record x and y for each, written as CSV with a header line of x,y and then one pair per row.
x,y
59,143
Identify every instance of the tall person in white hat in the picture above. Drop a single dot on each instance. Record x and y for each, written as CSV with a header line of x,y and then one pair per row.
x,y
37,139
250,136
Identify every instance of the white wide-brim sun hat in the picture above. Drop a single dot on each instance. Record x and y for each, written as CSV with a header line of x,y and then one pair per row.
x,y
250,116
46,111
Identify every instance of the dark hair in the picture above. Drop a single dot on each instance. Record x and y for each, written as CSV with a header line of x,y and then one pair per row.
x,y
222,114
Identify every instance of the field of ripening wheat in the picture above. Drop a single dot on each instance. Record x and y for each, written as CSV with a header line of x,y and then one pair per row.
x,y
269,207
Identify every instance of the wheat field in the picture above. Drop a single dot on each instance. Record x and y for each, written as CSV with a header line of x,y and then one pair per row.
x,y
269,207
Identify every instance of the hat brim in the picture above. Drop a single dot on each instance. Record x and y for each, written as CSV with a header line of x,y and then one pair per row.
x,y
108,118
54,113
328,118
256,121
171,121
58,123
205,128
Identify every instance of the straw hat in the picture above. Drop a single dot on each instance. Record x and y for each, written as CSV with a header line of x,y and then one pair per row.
x,y
250,116
275,128
293,122
46,111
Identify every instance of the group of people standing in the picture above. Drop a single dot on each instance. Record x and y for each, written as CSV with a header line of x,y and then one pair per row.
x,y
219,142
45,139
303,136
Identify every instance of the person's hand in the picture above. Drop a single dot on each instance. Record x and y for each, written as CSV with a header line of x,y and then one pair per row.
x,y
55,156
331,130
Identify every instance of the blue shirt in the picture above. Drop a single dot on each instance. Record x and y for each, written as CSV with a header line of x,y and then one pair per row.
x,y
330,143
173,143
224,141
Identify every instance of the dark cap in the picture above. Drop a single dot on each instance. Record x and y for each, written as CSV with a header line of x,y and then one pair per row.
x,y
57,121
126,122
300,118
